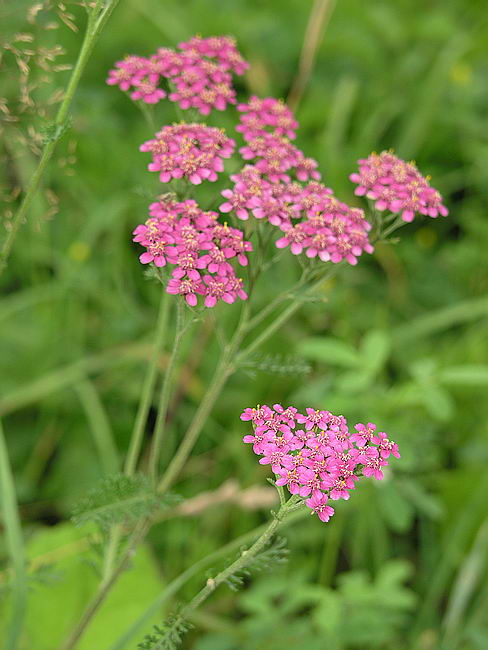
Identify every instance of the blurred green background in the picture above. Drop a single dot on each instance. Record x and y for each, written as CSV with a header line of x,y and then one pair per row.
x,y
400,340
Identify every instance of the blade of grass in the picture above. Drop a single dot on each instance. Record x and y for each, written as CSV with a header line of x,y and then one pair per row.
x,y
441,319
469,576
99,425
429,101
15,546
317,23
448,557
68,375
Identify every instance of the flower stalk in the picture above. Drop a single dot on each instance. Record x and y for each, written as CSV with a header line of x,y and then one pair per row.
x,y
97,18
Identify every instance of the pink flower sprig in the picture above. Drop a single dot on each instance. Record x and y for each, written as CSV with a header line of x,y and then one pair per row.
x,y
192,151
397,186
314,454
199,75
199,247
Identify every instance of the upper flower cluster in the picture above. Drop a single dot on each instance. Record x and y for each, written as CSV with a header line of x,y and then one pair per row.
x,y
397,186
199,76
314,454
311,219
193,151
198,246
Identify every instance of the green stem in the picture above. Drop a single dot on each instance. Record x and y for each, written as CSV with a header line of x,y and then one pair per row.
x,y
228,363
222,372
276,302
285,314
14,545
96,22
193,570
245,558
165,394
398,223
147,388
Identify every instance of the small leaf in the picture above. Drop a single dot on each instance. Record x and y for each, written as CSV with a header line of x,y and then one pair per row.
x,y
375,349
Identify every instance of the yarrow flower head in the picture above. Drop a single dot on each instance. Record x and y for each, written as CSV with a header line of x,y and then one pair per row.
x,y
192,151
314,454
200,249
397,186
311,220
198,76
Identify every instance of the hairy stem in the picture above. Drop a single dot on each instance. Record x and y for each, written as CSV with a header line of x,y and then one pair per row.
x,y
147,388
245,557
97,18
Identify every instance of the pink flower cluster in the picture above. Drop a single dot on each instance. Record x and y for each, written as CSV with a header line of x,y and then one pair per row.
x,y
192,151
322,459
268,115
199,75
311,219
198,246
397,186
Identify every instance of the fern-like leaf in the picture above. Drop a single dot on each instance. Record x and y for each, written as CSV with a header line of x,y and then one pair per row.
x,y
119,499
167,637
279,364
275,554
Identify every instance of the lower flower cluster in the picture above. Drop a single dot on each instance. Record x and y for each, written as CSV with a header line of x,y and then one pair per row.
x,y
314,454
198,246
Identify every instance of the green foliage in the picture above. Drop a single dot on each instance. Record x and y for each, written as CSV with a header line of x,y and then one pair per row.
x,y
360,613
62,554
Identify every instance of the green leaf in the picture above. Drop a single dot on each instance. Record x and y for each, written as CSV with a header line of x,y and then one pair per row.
x,y
375,349
330,351
467,375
